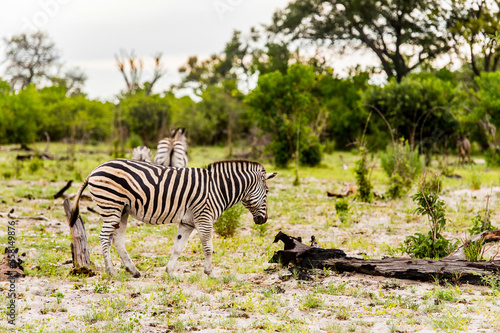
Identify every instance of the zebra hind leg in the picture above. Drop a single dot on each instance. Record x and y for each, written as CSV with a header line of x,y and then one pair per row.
x,y
119,242
206,244
105,238
180,241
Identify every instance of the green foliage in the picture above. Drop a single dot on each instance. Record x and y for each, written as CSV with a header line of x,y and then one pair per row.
x,y
365,187
35,164
342,209
421,108
229,221
133,141
431,245
289,108
474,251
481,222
313,153
402,165
492,157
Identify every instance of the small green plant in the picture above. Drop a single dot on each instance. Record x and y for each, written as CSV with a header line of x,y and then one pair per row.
x,y
101,288
474,251
492,280
402,165
342,209
229,221
475,180
58,295
365,187
481,222
433,244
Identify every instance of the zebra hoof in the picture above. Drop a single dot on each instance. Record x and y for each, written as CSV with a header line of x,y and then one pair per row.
x,y
136,275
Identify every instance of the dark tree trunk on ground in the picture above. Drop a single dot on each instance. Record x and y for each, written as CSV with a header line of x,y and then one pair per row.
x,y
450,269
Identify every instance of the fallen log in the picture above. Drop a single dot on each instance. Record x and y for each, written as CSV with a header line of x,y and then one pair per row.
x,y
80,245
449,269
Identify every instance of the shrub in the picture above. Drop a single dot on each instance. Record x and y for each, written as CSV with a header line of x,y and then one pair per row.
x,y
364,185
342,209
493,157
433,244
311,156
229,221
402,165
133,141
35,165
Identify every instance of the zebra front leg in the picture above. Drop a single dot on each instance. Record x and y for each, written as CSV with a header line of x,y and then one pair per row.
x,y
119,241
180,241
206,244
105,239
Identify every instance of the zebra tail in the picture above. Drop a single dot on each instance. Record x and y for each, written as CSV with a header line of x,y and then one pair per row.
x,y
75,210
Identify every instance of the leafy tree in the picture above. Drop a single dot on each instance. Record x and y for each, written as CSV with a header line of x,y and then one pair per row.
x,y
476,24
30,58
402,34
146,116
287,106
420,108
34,59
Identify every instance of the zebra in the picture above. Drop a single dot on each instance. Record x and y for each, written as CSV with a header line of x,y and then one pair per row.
x,y
141,153
192,197
172,151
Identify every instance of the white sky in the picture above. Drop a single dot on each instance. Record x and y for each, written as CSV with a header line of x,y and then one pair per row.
x,y
89,33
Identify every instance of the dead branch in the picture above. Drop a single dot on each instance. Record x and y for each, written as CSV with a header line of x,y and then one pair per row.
x,y
61,191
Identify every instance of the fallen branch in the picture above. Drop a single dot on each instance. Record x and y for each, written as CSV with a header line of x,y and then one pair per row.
x,y
61,191
450,269
13,216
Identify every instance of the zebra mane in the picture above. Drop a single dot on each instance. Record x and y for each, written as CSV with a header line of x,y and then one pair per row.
x,y
246,163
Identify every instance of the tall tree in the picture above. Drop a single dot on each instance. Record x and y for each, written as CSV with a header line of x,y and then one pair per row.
x,y
477,24
402,34
30,58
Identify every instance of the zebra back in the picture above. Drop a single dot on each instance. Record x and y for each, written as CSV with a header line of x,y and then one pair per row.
x,y
163,152
141,153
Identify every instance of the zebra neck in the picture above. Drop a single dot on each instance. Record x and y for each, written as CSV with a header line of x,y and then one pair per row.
x,y
229,188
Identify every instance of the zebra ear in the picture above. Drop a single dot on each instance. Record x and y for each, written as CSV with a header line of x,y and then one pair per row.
x,y
271,175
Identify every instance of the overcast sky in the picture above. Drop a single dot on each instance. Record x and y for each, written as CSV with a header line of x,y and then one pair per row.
x,y
89,33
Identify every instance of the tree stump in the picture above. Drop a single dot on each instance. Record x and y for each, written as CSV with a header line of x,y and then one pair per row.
x,y
80,245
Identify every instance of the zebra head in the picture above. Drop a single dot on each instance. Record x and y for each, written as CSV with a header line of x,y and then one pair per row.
x,y
256,199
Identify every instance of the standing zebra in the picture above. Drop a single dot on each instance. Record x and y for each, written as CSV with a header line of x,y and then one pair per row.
x,y
172,151
191,197
141,153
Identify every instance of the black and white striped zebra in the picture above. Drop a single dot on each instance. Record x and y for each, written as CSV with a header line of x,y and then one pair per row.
x,y
172,151
141,153
192,197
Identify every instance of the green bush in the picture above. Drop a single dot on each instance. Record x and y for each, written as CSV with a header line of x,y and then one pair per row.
x,y
35,165
365,187
229,221
312,155
402,165
133,141
492,157
342,209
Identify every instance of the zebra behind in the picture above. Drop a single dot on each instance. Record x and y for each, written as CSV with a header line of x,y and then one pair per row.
x,y
172,151
192,197
141,153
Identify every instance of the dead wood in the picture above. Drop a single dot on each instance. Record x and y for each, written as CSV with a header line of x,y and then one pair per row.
x,y
10,267
449,269
80,245
13,216
61,191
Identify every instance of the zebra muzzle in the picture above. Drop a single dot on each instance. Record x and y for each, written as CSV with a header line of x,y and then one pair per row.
x,y
260,219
